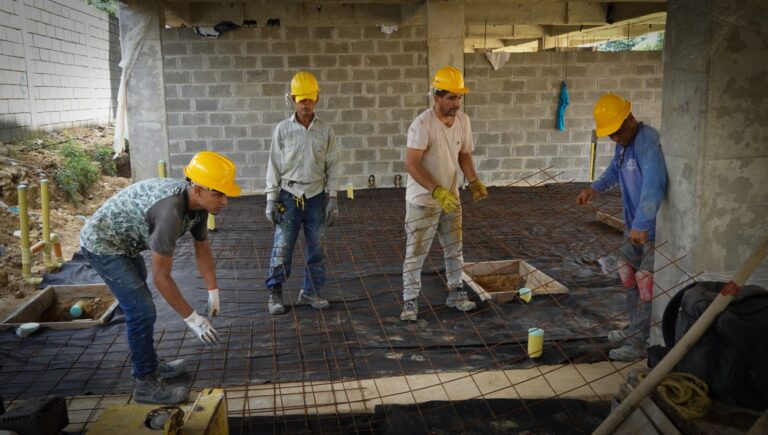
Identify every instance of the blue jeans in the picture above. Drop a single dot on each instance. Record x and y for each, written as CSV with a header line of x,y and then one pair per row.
x,y
312,217
126,277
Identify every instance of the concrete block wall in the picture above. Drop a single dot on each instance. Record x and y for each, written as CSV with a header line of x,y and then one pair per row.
x,y
58,66
513,109
228,94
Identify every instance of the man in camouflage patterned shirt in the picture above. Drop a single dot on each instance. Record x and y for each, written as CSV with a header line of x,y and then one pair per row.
x,y
153,214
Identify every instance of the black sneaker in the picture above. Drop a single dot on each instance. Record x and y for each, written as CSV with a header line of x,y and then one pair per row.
x,y
171,369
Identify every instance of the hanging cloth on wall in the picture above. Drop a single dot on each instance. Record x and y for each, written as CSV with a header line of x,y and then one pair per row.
x,y
562,104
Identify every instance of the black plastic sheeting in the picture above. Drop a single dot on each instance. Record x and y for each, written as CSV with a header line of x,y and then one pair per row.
x,y
360,335
494,416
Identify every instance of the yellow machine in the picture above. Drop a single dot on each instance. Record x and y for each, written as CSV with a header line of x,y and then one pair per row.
x,y
206,416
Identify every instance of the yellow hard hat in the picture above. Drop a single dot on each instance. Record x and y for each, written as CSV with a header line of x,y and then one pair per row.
x,y
304,86
449,79
214,171
610,112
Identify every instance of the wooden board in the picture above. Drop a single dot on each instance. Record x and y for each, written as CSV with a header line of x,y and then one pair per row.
x,y
34,308
610,220
539,282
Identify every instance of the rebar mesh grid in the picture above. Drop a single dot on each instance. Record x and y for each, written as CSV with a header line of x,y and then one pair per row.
x,y
322,367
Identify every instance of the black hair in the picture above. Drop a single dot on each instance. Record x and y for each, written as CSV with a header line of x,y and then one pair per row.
x,y
441,92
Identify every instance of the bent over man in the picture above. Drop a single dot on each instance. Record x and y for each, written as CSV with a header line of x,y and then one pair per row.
x,y
638,168
439,145
153,214
302,183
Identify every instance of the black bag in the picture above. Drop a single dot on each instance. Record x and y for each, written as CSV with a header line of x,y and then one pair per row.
x,y
732,355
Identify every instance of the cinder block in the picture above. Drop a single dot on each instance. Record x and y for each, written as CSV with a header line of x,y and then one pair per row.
x,y
235,131
247,118
249,144
301,61
390,46
391,154
629,83
377,141
273,89
418,46
177,105
379,168
350,60
376,60
323,32
177,77
297,33
232,76
202,47
192,91
324,60
654,83
361,47
257,47
233,104
389,74
282,47
488,164
363,74
336,75
335,47
364,128
218,62
206,104
194,119
220,118
351,88
260,131
349,32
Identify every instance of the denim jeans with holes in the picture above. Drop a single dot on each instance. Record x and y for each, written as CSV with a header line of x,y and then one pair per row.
x,y
126,277
311,216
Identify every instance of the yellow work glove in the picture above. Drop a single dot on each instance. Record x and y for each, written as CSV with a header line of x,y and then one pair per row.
x,y
448,201
478,190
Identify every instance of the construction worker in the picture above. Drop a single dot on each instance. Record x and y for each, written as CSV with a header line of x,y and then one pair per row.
x,y
302,182
439,144
153,214
638,168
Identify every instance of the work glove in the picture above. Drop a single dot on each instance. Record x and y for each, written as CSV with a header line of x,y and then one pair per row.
x,y
478,190
273,215
213,303
448,201
202,328
331,211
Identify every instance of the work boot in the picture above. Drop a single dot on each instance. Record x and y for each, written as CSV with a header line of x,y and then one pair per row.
x,y
410,310
275,305
152,389
617,336
171,369
313,299
627,353
457,298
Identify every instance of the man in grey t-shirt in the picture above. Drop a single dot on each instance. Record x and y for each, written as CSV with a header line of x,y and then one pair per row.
x,y
154,214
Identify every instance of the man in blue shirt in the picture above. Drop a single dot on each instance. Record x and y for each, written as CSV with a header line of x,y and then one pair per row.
x,y
638,168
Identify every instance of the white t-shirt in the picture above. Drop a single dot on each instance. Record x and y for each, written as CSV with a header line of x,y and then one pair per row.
x,y
441,147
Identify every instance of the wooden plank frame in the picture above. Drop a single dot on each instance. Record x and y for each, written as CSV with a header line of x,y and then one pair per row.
x,y
539,282
33,308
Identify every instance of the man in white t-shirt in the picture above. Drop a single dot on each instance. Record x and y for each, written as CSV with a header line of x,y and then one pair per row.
x,y
439,145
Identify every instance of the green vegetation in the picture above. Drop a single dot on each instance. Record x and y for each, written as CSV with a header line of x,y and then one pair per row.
x,y
108,6
76,173
649,42
103,156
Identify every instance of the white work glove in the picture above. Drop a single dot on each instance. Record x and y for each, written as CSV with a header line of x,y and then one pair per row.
x,y
202,328
331,211
213,303
272,213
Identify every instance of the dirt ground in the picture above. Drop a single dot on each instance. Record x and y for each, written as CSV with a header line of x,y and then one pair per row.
x,y
500,283
26,162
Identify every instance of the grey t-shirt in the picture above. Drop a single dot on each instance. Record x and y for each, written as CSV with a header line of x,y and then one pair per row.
x,y
151,214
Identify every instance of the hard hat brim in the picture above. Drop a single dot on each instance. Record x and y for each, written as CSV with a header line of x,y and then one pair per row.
x,y
229,189
301,97
460,91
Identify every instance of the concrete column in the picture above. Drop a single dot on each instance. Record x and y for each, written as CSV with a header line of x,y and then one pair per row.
x,y
715,140
445,34
147,120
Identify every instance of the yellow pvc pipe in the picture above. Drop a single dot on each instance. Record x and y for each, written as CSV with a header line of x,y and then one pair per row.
x,y
592,156
45,203
26,254
161,172
58,256
211,222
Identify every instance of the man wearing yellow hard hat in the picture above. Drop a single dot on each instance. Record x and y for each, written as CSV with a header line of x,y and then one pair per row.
x,y
638,168
301,185
439,145
152,215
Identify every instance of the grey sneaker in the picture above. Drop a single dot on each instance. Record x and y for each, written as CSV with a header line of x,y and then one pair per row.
x,y
626,353
457,298
152,389
410,310
172,369
275,305
313,299
617,336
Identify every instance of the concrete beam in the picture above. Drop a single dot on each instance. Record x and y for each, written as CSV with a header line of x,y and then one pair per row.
x,y
504,31
147,118
445,34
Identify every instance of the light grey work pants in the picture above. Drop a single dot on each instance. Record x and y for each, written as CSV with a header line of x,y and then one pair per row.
x,y
421,223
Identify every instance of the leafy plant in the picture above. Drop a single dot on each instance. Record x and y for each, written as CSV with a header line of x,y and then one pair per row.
x,y
76,173
103,156
108,6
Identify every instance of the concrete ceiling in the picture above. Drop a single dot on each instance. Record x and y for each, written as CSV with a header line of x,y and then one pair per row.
x,y
490,24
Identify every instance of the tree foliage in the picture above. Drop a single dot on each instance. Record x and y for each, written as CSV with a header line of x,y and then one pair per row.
x,y
108,6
